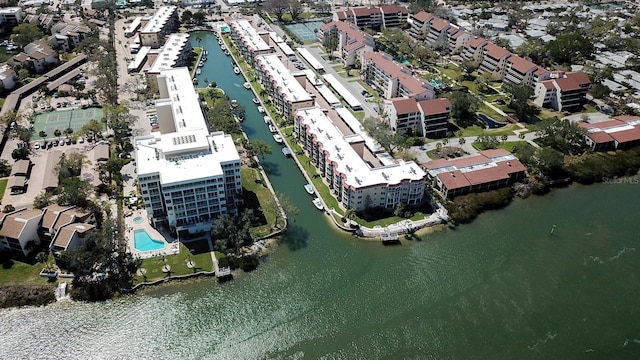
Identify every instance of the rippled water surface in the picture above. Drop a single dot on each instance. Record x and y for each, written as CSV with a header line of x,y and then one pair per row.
x,y
500,288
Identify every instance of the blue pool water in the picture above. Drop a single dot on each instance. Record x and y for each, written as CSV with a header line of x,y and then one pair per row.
x,y
435,82
143,242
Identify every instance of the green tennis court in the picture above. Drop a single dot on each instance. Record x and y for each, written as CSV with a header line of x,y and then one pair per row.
x,y
61,120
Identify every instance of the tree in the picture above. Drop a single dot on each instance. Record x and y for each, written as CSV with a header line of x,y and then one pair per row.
x,y
387,138
25,33
57,133
42,200
186,16
520,96
91,127
570,47
23,73
295,8
330,45
463,107
462,141
504,137
230,233
5,168
259,148
199,17
485,142
278,7
350,213
20,153
42,134
549,160
74,191
9,208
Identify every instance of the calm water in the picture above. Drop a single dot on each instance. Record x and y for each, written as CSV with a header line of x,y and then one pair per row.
x,y
500,288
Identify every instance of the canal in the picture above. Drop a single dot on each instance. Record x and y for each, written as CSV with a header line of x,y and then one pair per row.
x,y
502,287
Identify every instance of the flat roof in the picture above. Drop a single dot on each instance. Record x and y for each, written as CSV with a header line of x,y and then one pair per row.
x,y
159,20
139,59
340,89
287,85
358,173
170,53
328,95
249,35
63,79
315,64
135,24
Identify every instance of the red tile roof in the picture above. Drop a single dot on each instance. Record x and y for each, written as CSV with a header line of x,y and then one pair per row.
x,y
405,105
453,180
511,166
600,137
495,51
521,65
484,176
365,11
470,160
397,71
439,24
548,84
475,43
458,34
422,16
626,117
392,8
573,81
626,135
435,106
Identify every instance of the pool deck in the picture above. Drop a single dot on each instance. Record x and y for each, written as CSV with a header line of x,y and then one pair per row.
x,y
172,246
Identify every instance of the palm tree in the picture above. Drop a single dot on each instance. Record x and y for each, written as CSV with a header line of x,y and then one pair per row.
x,y
57,133
350,213
504,138
461,141
521,136
43,134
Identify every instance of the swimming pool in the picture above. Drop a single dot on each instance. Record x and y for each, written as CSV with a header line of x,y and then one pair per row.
x,y
138,220
143,242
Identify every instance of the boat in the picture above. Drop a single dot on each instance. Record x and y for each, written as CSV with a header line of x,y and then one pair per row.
x,y
220,43
234,103
195,81
309,188
198,71
238,118
201,64
272,129
261,109
277,138
267,119
318,204
247,85
205,52
286,151
226,52
236,70
223,47
256,100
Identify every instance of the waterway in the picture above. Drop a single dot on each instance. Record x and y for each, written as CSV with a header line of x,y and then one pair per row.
x,y
502,287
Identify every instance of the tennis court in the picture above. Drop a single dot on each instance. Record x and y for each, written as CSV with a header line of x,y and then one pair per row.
x,y
61,120
305,31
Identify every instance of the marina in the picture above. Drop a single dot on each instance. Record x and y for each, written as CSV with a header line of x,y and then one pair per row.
x,y
267,119
286,152
277,138
272,129
236,70
317,202
247,85
309,189
261,110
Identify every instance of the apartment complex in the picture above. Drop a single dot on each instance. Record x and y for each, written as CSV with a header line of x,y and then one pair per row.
x,y
358,178
351,42
427,118
187,176
621,132
7,77
386,16
38,56
249,42
563,91
491,169
10,17
162,23
286,91
18,231
175,53
392,79
66,36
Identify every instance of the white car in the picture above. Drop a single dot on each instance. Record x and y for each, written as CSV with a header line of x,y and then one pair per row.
x,y
80,140
36,145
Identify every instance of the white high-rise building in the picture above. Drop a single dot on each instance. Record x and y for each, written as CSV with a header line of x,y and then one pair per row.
x,y
187,176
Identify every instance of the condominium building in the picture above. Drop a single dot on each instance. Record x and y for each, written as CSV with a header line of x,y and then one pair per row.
x,y
10,17
563,92
187,176
286,92
472,51
392,79
386,16
393,15
457,38
18,231
489,170
437,35
175,53
420,24
38,56
248,40
66,36
162,23
427,118
494,60
621,132
351,42
520,71
7,77
358,178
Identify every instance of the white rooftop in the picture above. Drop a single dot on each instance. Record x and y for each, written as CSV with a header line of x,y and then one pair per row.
x,y
282,79
252,39
347,161
170,53
183,98
159,19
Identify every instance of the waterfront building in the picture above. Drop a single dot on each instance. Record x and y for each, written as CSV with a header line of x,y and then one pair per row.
x,y
427,118
457,38
18,231
351,41
386,16
359,178
563,91
187,175
56,216
489,170
162,23
392,79
621,132
175,53
249,42
286,91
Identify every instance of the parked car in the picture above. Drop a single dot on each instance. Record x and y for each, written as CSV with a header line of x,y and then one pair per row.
x,y
36,145
80,139
61,142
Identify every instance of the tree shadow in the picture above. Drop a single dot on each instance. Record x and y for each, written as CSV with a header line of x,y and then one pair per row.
x,y
271,168
251,202
295,237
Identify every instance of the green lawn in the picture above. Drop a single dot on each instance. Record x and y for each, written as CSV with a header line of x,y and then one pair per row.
x,y
22,273
3,187
253,183
196,60
477,130
178,263
510,145
450,71
485,109
358,114
471,86
371,90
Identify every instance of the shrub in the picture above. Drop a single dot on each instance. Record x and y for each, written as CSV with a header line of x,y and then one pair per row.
x,y
464,209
